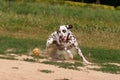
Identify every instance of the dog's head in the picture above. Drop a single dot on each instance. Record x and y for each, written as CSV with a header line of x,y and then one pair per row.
x,y
63,32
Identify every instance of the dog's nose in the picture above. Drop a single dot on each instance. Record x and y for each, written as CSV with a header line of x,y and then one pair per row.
x,y
60,37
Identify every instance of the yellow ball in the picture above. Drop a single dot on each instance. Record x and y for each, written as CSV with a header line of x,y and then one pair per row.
x,y
36,51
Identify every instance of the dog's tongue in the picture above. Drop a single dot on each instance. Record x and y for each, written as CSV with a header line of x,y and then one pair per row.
x,y
64,39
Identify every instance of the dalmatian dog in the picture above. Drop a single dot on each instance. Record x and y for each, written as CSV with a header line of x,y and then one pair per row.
x,y
65,40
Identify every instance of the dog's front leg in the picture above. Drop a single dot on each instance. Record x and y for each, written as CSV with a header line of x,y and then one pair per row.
x,y
49,42
80,53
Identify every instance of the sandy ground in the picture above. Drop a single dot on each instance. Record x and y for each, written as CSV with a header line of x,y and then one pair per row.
x,y
22,70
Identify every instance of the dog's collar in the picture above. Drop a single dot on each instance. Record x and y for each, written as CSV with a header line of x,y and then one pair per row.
x,y
67,37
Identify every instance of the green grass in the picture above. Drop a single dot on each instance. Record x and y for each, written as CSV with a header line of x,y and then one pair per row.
x,y
46,71
19,46
100,55
65,65
30,60
109,68
30,20
9,58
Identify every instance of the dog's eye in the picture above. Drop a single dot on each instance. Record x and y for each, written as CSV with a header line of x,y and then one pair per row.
x,y
59,31
64,31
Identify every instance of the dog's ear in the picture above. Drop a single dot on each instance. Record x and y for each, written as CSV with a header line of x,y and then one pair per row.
x,y
69,26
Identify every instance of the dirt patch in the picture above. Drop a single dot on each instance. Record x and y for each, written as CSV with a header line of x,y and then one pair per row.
x,y
22,70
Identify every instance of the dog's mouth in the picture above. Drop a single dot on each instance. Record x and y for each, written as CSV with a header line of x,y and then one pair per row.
x,y
64,38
